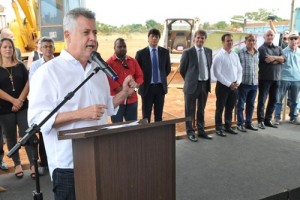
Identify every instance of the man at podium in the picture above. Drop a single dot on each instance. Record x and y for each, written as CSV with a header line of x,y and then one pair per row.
x,y
90,106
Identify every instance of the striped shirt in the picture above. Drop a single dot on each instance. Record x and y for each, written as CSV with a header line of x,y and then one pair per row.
x,y
250,66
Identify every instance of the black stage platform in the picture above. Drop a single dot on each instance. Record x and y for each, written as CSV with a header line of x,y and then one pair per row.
x,y
247,166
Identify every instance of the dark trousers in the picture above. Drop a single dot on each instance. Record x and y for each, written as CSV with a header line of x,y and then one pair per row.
x,y
1,145
155,98
199,98
266,88
9,123
42,151
247,94
225,98
127,112
63,184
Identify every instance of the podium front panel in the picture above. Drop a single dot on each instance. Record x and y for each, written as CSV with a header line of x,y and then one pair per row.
x,y
130,165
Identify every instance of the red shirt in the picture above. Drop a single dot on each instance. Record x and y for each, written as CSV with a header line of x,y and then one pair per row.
x,y
134,69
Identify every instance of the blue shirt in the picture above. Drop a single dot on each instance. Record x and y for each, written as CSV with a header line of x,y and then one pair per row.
x,y
151,53
291,68
35,65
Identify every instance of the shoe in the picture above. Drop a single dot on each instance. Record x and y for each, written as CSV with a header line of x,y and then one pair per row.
x,y
205,136
276,122
270,124
241,128
3,165
2,189
193,138
251,127
42,170
231,131
220,133
295,121
261,125
19,174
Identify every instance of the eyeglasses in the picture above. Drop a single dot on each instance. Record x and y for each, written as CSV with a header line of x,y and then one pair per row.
x,y
124,64
293,38
251,40
284,38
46,46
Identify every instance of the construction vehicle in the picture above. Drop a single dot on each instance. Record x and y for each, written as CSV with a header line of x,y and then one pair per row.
x,y
2,17
178,34
38,18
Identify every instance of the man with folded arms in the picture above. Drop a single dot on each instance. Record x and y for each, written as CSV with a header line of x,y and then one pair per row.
x,y
270,63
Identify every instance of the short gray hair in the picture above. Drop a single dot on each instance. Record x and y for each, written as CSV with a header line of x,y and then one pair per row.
x,y
46,39
70,18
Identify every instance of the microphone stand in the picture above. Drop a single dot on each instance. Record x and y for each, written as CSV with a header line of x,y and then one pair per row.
x,y
31,139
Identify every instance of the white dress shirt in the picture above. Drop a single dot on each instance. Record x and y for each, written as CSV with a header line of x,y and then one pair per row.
x,y
227,67
49,86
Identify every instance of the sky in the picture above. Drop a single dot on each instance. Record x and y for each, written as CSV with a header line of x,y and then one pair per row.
x,y
121,12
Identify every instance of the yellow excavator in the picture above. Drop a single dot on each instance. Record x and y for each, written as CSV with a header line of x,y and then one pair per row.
x,y
38,18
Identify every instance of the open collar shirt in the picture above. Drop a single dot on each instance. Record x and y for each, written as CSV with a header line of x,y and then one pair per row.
x,y
250,66
291,68
227,67
49,86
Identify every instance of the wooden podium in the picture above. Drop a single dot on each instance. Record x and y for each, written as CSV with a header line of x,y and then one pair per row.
x,y
124,162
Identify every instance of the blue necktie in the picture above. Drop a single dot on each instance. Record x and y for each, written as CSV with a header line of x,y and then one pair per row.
x,y
154,66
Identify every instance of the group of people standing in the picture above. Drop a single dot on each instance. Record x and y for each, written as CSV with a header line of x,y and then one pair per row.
x,y
150,69
236,73
14,90
270,70
50,79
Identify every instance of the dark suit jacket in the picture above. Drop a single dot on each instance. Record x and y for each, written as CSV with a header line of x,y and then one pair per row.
x,y
189,69
143,57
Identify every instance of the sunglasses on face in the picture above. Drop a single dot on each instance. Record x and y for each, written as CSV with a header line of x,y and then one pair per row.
x,y
293,38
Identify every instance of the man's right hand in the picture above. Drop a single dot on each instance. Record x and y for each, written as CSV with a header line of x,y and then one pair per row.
x,y
93,112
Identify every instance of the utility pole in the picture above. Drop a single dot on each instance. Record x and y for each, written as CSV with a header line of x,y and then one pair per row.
x,y
292,26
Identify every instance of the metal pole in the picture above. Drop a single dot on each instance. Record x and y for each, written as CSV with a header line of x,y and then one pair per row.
x,y
292,26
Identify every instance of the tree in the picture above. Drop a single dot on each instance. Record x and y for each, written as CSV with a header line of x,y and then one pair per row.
x,y
221,25
105,28
261,15
206,25
153,24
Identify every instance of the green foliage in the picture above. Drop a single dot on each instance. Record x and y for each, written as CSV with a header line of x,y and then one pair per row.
x,y
259,15
125,29
221,25
206,26
105,28
214,42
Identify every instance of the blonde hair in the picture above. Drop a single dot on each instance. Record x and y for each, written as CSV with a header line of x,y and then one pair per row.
x,y
14,56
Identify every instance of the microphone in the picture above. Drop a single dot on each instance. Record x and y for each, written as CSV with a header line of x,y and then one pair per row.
x,y
95,56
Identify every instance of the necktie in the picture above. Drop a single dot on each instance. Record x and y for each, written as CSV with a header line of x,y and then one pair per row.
x,y
201,65
154,66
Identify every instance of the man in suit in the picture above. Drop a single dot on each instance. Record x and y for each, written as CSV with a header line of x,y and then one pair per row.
x,y
156,65
195,67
